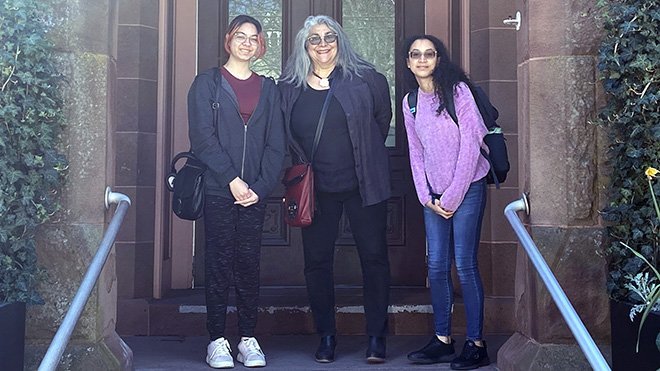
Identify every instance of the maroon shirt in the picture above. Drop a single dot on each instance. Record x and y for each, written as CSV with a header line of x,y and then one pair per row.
x,y
247,92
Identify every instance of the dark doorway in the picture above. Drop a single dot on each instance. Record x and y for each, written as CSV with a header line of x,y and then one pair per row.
x,y
377,28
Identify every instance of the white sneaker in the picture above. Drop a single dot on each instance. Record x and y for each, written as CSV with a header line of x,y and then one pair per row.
x,y
250,354
218,354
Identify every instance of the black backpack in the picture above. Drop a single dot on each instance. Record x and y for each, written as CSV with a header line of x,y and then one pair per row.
x,y
497,155
187,186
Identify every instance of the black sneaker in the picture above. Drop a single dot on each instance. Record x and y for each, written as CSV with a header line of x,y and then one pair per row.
x,y
471,357
434,352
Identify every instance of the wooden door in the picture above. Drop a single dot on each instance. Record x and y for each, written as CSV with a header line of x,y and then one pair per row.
x,y
377,28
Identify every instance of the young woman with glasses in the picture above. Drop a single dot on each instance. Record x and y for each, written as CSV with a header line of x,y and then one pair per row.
x,y
350,166
449,175
236,129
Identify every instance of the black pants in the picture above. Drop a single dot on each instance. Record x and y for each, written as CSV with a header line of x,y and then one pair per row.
x,y
233,247
368,225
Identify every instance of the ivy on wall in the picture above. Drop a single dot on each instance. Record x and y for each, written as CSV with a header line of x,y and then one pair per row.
x,y
31,167
629,62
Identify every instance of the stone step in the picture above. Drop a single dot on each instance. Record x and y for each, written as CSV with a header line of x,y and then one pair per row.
x,y
284,311
290,353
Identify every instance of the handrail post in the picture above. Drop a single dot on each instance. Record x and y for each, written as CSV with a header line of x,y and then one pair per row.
x,y
584,339
57,346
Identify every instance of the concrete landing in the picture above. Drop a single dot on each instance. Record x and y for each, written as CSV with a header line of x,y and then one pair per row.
x,y
289,352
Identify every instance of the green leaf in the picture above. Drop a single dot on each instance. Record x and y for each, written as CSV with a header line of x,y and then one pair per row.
x,y
31,120
655,296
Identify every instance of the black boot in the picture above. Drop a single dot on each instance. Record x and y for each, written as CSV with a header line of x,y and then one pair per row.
x,y
434,352
376,349
326,350
471,357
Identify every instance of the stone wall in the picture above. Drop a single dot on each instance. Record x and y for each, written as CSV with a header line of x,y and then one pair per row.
x,y
492,67
135,134
85,38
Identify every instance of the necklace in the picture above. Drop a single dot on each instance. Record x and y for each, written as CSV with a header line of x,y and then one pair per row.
x,y
323,81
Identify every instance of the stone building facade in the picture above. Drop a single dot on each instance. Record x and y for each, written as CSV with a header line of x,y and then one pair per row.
x,y
129,64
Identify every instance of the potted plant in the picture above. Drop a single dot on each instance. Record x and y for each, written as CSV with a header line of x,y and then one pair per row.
x,y
31,167
645,285
628,60
643,308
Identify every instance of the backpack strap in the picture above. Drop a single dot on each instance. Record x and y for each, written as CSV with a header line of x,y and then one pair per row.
x,y
478,100
489,115
412,102
488,112
215,104
448,98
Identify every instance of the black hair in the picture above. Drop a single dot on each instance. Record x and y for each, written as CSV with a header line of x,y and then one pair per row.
x,y
240,19
446,74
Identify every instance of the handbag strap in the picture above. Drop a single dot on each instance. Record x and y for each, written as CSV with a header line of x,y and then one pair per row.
x,y
215,103
319,127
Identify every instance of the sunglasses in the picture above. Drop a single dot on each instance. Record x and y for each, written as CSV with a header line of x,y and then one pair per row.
x,y
428,54
328,38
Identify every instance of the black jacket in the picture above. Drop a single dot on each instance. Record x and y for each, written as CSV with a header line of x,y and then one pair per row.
x,y
252,151
366,102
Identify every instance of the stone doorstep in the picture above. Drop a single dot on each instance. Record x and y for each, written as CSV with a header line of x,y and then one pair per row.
x,y
289,353
284,311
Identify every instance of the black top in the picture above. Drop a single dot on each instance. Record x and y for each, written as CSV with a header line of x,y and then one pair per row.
x,y
365,102
334,164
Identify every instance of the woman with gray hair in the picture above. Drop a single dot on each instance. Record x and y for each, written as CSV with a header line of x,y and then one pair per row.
x,y
327,84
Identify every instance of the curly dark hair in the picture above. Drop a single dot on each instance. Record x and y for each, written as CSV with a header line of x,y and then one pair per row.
x,y
446,74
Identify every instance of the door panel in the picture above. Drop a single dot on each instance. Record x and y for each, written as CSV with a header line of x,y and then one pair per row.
x,y
377,28
370,25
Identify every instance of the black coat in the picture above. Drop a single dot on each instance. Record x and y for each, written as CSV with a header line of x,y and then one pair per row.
x,y
253,152
366,102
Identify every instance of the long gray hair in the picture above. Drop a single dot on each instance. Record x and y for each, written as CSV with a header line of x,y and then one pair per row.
x,y
299,64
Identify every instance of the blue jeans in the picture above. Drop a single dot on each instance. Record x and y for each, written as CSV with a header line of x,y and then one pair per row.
x,y
457,237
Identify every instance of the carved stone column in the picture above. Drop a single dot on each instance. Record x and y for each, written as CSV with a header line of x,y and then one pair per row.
x,y
559,159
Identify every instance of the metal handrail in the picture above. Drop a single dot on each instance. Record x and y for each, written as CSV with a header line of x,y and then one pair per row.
x,y
57,346
584,339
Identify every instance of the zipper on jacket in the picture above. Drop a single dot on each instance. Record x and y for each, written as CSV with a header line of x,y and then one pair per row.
x,y
245,126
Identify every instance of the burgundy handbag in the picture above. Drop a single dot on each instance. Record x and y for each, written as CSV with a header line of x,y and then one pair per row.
x,y
299,182
299,196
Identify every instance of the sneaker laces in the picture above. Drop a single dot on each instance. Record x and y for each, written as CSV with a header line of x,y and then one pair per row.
x,y
252,346
221,347
470,350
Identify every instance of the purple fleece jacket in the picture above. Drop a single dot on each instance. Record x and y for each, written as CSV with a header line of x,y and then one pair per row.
x,y
445,153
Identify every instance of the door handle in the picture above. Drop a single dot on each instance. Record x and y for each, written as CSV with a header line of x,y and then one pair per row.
x,y
513,21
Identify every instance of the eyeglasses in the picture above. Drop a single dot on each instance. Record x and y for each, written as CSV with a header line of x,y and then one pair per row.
x,y
428,54
240,38
329,38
